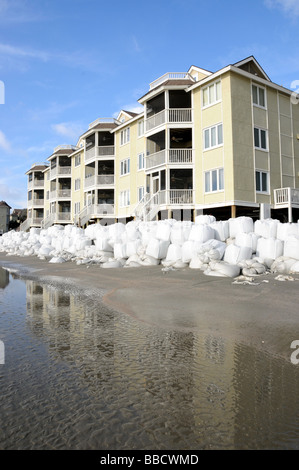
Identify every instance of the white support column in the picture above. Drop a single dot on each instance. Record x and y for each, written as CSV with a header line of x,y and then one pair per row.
x,y
290,212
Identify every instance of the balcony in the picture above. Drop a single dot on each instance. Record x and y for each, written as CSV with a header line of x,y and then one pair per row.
x,y
100,180
60,194
36,184
36,202
170,116
99,152
286,197
60,171
171,156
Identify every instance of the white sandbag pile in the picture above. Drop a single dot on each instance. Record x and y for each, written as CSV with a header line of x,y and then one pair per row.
x,y
218,248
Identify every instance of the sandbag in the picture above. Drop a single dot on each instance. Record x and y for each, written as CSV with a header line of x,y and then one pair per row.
x,y
201,233
247,240
269,248
234,254
286,230
240,225
221,268
266,228
157,248
204,219
291,247
221,230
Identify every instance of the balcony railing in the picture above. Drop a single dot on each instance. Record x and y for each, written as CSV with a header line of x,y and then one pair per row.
x,y
102,121
60,194
60,171
155,159
286,197
99,152
172,115
171,76
36,202
100,180
180,196
172,156
63,216
36,184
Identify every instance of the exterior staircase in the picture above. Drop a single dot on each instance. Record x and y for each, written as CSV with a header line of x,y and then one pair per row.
x,y
148,207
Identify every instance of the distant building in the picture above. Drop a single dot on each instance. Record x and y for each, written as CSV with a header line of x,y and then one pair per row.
x,y
18,215
4,217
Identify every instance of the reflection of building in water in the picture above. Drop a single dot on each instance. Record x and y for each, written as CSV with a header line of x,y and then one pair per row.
x,y
183,388
73,329
4,278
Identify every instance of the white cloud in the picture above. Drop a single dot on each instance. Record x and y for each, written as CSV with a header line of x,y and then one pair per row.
x,y
7,49
71,130
291,7
13,196
4,143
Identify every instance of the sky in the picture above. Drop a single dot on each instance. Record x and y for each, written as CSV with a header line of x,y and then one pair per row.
x,y
65,63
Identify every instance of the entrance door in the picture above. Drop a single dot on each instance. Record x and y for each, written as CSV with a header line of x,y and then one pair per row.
x,y
155,184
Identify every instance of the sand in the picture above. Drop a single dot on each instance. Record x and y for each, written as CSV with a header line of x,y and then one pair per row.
x,y
264,315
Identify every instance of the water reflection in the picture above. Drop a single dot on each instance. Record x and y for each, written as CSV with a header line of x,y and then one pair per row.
x,y
95,379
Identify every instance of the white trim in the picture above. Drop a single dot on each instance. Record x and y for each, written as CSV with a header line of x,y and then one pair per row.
x,y
206,149
267,138
128,166
198,69
265,96
257,170
213,103
252,59
231,68
227,204
218,190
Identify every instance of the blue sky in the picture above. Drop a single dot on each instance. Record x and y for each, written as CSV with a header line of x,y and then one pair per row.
x,y
64,63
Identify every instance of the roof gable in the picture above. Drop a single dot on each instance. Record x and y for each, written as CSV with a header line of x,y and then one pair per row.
x,y
252,66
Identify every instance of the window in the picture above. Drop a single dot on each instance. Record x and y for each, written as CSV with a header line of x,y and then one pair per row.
x,y
213,136
262,181
259,96
140,130
125,167
125,136
141,161
77,160
140,193
211,94
125,198
77,207
260,138
214,180
77,184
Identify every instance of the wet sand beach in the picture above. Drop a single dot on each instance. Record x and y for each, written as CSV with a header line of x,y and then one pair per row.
x,y
265,315
140,358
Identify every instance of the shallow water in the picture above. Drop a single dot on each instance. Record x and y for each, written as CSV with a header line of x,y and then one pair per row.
x,y
78,376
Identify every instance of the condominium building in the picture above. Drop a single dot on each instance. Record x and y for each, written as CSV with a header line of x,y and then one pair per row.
x,y
223,143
